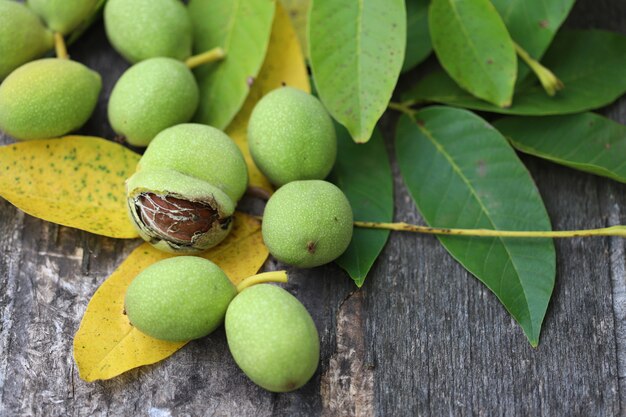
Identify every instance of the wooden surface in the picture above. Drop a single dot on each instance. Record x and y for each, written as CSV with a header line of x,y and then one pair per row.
x,y
422,337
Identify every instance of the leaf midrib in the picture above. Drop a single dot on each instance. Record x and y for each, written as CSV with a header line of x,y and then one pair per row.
x,y
459,172
359,47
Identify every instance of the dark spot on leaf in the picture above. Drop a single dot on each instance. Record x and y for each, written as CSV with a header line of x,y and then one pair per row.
x,y
490,61
544,23
481,168
310,247
420,123
607,146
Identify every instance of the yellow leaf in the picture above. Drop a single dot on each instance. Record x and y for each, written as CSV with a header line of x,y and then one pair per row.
x,y
106,345
76,181
283,65
298,10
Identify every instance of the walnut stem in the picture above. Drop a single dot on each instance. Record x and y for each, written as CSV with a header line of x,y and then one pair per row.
x,y
273,276
212,55
59,46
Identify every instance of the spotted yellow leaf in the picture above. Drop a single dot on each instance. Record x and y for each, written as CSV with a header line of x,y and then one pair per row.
x,y
106,344
284,65
76,181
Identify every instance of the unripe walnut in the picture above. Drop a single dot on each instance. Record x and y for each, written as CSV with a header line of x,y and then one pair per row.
x,y
307,223
142,29
23,37
184,192
179,299
202,152
291,137
178,213
47,98
272,338
151,96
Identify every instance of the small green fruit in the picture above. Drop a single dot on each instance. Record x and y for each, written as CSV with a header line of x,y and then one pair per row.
x,y
272,338
183,194
178,213
307,223
179,299
151,96
292,137
202,152
22,36
142,29
64,15
47,98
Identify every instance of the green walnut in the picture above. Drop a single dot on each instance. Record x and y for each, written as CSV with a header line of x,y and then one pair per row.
x,y
272,338
307,223
201,151
292,137
47,98
142,29
183,195
179,299
151,96
64,15
178,213
22,36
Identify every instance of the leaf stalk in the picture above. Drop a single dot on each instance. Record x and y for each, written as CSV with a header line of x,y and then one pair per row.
x,y
404,107
547,234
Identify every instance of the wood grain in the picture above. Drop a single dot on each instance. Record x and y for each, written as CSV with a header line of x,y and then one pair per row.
x,y
422,337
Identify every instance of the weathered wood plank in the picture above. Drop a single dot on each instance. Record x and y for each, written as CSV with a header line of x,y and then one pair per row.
x,y
422,337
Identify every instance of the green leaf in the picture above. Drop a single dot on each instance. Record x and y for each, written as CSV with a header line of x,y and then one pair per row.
x,y
462,173
242,28
474,48
363,173
589,62
356,48
587,142
533,24
418,45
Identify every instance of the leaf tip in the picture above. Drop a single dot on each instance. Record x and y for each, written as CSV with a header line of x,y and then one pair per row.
x,y
533,340
361,138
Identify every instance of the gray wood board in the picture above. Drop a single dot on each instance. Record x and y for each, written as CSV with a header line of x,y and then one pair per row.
x,y
422,337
